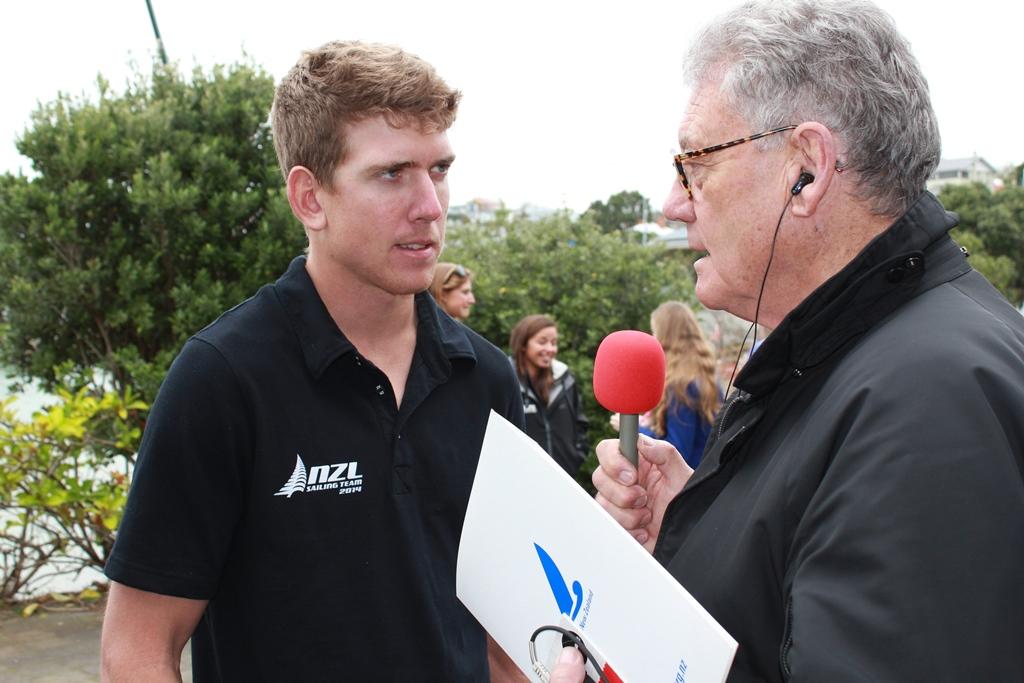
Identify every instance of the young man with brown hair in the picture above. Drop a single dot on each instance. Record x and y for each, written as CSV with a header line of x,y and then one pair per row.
x,y
303,479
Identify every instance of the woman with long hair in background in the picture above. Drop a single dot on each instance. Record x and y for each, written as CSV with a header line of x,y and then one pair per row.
x,y
687,409
551,396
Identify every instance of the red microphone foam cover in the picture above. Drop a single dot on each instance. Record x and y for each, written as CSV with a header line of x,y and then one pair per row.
x,y
629,372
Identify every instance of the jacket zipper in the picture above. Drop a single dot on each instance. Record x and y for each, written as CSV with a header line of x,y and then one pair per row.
x,y
787,641
723,422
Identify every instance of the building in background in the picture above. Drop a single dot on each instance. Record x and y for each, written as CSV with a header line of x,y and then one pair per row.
x,y
475,211
676,237
961,171
670,233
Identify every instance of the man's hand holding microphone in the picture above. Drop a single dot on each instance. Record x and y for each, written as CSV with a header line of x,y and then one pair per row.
x,y
637,476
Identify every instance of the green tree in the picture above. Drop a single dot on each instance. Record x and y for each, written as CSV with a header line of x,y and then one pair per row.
x,y
999,270
148,213
996,222
590,281
621,212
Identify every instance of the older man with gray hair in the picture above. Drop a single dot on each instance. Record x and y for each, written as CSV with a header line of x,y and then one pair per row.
x,y
859,511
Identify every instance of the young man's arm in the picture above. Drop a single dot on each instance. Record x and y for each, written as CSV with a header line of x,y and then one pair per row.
x,y
503,669
144,634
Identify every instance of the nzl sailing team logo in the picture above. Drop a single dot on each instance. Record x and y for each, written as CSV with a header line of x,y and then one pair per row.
x,y
342,477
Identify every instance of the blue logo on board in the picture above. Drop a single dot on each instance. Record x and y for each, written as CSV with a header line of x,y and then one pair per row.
x,y
568,603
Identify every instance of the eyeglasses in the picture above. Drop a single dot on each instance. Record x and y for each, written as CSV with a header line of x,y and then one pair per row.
x,y
680,158
456,269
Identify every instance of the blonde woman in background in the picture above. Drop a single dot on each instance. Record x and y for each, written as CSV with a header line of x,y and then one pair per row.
x,y
691,399
453,289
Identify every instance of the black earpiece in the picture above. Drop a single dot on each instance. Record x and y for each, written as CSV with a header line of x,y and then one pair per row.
x,y
804,179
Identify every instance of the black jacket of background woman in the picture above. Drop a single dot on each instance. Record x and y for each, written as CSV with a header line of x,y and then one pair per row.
x,y
560,427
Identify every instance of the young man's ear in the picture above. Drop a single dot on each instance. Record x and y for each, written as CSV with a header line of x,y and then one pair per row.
x,y
814,166
302,197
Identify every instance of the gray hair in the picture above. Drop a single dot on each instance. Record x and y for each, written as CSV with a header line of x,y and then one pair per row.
x,y
839,62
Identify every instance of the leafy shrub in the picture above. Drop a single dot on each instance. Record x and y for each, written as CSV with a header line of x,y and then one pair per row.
x,y
64,484
149,212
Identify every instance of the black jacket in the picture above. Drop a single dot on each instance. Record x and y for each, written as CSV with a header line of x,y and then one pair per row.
x,y
560,427
859,512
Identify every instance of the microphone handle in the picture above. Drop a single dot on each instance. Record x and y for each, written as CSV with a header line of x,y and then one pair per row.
x,y
629,431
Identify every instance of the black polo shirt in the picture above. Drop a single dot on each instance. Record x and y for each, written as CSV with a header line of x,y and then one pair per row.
x,y
277,479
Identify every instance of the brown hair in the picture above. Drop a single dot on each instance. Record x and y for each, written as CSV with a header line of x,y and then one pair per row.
x,y
521,334
688,358
346,82
447,276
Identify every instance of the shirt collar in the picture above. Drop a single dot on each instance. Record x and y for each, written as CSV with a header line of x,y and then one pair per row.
x,y
439,339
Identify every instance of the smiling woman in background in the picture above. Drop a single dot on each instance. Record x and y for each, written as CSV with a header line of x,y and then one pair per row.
x,y
453,289
551,397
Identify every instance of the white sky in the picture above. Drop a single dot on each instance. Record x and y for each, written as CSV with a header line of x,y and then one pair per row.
x,y
564,103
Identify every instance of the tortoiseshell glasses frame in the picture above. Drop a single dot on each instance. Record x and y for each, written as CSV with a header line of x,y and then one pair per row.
x,y
680,158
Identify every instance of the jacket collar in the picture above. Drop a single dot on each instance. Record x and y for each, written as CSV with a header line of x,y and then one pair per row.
x,y
559,371
910,257
439,339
